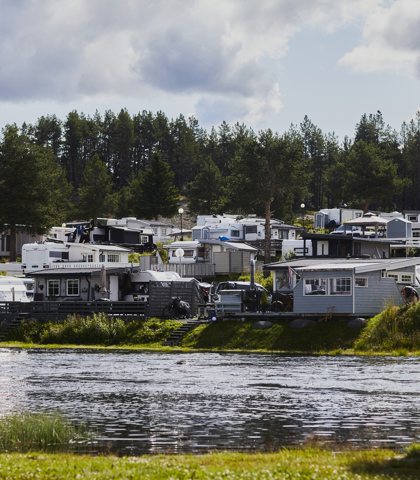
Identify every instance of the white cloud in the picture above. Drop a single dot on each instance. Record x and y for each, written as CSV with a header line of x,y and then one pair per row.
x,y
218,51
391,41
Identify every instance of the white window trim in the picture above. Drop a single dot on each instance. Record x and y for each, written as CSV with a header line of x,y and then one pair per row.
x,y
398,276
48,287
365,279
328,282
334,293
78,287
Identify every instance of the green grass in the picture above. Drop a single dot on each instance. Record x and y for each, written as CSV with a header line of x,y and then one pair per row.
x,y
395,330
24,431
324,337
305,464
96,330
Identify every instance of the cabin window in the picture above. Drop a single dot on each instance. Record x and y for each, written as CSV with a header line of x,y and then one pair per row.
x,y
90,257
102,257
53,288
154,230
144,240
394,276
416,233
112,258
361,282
315,286
73,287
412,218
163,231
284,234
406,278
340,286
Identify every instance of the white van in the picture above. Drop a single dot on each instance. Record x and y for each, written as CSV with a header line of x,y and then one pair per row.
x,y
12,289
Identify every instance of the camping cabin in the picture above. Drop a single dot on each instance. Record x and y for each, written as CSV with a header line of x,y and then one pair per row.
x,y
354,287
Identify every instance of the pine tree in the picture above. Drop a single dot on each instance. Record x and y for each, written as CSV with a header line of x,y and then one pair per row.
x,y
33,190
95,190
153,192
207,190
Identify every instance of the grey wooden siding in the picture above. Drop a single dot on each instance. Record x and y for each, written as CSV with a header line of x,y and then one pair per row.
x,y
318,304
231,262
187,269
373,299
160,296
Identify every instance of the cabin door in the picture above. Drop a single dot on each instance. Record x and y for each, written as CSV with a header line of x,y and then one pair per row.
x,y
113,288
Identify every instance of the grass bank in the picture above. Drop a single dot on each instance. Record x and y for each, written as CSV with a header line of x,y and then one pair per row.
x,y
96,330
310,463
395,331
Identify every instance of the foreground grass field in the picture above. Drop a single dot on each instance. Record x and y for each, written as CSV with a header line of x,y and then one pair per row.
x,y
307,464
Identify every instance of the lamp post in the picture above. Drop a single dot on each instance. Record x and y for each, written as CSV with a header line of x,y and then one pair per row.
x,y
302,206
179,253
181,211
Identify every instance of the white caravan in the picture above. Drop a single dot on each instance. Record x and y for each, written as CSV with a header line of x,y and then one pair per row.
x,y
12,289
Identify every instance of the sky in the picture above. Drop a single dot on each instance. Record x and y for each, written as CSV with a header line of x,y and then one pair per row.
x,y
264,63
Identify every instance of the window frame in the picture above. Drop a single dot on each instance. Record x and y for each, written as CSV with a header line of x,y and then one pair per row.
x,y
340,286
113,258
50,289
70,281
365,281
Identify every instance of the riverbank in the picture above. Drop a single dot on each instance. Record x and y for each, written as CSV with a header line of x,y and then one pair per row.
x,y
307,463
396,331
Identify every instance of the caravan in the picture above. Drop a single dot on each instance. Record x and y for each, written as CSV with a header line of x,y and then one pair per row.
x,y
13,289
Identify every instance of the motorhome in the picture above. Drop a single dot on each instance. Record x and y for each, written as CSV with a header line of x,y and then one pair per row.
x,y
47,255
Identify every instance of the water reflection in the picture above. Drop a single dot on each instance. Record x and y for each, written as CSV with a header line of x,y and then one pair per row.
x,y
151,402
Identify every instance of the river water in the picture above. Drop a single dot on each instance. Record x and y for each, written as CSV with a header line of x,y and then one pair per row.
x,y
161,402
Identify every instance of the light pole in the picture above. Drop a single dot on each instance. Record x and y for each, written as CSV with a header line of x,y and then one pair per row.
x,y
181,211
179,253
302,206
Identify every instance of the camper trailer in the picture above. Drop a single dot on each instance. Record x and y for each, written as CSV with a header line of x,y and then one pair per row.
x,y
12,289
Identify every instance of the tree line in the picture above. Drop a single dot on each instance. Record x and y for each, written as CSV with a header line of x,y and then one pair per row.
x,y
121,164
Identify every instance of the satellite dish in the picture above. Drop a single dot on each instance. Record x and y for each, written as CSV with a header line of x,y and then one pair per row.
x,y
179,252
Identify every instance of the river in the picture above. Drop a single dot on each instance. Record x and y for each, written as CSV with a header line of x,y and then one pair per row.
x,y
141,402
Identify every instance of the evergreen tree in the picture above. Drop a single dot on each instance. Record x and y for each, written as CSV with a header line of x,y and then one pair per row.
x,y
207,190
153,192
266,167
95,190
33,190
370,175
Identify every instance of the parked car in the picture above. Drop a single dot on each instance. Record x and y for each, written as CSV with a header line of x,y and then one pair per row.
x,y
241,286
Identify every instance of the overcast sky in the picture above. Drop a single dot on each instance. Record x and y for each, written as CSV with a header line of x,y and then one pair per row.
x,y
266,63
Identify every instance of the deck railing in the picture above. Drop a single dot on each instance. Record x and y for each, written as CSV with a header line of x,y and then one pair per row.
x,y
62,309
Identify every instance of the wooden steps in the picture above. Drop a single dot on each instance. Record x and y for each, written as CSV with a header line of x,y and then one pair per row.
x,y
176,336
11,325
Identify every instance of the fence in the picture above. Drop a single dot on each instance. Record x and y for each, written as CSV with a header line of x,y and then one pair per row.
x,y
160,296
62,309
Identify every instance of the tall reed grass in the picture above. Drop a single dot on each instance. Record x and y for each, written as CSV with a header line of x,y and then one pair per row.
x,y
396,329
25,431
